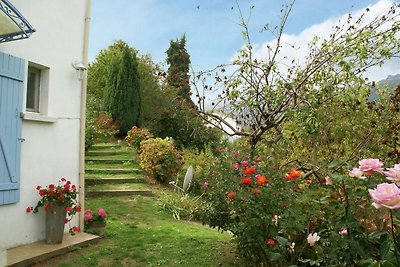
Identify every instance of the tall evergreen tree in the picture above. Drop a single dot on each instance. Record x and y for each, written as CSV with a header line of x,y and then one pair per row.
x,y
178,71
122,92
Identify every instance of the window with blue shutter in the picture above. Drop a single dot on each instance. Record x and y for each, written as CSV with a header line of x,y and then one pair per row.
x,y
11,87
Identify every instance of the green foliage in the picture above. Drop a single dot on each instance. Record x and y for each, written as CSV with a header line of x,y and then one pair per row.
x,y
179,61
137,135
99,128
160,159
122,92
259,93
179,121
183,206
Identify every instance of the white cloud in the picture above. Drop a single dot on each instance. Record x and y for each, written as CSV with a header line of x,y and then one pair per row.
x,y
296,46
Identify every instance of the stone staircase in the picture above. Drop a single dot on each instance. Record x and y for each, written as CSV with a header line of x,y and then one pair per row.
x,y
113,170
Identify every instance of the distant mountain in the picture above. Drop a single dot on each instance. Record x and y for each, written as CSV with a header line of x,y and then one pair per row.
x,y
392,81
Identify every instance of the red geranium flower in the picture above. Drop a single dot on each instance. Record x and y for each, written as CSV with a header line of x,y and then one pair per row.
x,y
38,187
76,229
231,195
249,171
66,220
47,207
29,209
68,209
78,208
42,192
246,181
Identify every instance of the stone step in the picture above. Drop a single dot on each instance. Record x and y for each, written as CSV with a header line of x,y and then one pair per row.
x,y
91,181
104,147
30,254
113,171
94,193
102,153
108,161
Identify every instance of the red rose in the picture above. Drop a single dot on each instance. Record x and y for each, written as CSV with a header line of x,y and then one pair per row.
x,y
78,208
46,207
38,187
270,242
246,181
63,179
309,181
66,220
29,209
256,191
231,195
249,171
261,180
76,229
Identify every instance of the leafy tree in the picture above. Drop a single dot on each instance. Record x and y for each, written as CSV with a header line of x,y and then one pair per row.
x,y
178,71
259,94
122,92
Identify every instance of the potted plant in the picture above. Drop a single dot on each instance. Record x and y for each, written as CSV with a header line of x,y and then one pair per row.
x,y
60,204
95,223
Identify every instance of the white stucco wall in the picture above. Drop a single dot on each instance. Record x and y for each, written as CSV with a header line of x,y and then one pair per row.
x,y
51,150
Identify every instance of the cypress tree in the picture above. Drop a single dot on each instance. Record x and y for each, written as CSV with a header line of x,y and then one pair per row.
x,y
122,92
178,71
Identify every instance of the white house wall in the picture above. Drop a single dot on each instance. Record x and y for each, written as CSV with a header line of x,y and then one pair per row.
x,y
51,149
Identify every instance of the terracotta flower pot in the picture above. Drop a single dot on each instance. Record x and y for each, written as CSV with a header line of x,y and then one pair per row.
x,y
97,228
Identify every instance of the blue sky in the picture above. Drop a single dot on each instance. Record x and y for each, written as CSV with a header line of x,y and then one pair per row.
x,y
211,26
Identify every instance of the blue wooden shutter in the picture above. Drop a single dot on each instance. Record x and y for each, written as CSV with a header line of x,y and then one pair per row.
x,y
11,86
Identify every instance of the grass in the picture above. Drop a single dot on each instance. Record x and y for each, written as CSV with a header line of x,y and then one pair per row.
x,y
123,186
112,175
127,165
140,233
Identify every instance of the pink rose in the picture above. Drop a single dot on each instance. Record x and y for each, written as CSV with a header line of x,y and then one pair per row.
x,y
236,166
328,180
235,154
356,172
245,163
393,174
343,232
312,239
385,195
370,166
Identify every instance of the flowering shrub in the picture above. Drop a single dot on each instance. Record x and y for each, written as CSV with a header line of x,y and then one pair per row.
x,y
95,218
64,194
281,216
257,203
137,135
160,159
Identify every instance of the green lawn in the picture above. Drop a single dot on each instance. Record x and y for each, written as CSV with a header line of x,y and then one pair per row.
x,y
140,233
122,186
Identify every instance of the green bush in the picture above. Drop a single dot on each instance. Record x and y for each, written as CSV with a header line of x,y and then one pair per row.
x,y
160,159
99,128
137,135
